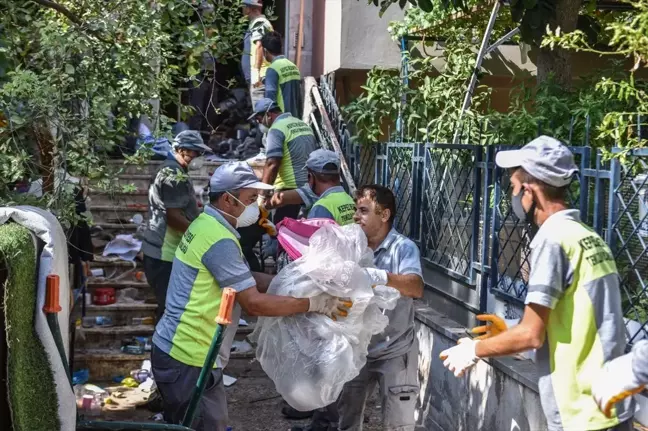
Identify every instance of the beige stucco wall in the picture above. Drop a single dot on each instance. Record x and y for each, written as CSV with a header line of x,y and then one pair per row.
x,y
356,37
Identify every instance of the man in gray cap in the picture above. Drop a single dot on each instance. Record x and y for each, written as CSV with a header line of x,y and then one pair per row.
x,y
208,259
573,310
323,193
172,206
290,142
253,61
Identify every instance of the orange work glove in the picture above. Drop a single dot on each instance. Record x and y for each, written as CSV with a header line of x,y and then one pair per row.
x,y
495,325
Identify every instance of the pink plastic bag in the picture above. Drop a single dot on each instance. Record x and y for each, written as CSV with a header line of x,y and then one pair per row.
x,y
293,235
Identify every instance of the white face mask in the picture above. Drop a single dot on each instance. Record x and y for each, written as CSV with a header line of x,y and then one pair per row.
x,y
248,217
197,163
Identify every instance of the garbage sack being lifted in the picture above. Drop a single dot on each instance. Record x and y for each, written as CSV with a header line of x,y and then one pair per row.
x,y
310,356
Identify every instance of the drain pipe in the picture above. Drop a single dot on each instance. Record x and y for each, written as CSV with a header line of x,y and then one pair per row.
x,y
405,76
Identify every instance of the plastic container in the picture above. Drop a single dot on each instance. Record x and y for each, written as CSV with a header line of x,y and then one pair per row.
x,y
104,296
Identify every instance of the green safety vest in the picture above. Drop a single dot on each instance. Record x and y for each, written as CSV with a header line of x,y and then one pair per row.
x,y
297,134
340,205
576,349
197,326
288,74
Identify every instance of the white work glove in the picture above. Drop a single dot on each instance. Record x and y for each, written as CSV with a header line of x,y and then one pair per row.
x,y
378,277
615,383
330,306
461,357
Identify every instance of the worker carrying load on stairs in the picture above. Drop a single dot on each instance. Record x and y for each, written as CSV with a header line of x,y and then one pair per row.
x,y
253,62
290,142
573,312
208,259
172,207
283,79
323,194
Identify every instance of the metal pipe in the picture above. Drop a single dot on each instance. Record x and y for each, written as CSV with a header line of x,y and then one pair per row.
x,y
480,57
405,76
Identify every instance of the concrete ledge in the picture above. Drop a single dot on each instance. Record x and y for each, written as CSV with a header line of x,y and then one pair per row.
x,y
498,394
524,371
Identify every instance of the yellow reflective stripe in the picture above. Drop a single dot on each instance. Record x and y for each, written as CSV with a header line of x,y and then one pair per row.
x,y
169,244
340,205
576,352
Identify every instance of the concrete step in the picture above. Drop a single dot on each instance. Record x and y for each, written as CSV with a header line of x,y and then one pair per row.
x,y
122,313
121,284
105,364
112,337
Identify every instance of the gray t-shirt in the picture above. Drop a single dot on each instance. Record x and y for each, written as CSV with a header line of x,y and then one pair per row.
x,y
399,255
640,361
171,188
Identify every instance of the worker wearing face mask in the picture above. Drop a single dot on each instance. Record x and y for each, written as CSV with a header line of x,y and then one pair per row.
x,y
323,194
208,259
290,141
172,207
573,313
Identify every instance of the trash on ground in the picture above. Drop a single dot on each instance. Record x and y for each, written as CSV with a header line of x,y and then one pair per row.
x,y
241,346
243,322
124,246
310,356
228,380
128,295
104,296
130,382
80,377
142,321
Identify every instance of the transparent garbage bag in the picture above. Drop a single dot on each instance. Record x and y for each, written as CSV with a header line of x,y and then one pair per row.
x,y
310,356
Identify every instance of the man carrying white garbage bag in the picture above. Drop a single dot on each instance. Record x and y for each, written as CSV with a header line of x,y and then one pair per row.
x,y
208,259
392,360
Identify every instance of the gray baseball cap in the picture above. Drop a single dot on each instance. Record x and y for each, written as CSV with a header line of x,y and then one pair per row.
x,y
258,3
262,106
191,140
235,176
545,158
318,159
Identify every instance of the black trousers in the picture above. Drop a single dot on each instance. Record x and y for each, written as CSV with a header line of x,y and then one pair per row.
x,y
158,273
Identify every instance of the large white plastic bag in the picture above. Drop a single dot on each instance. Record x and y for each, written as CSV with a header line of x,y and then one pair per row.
x,y
310,356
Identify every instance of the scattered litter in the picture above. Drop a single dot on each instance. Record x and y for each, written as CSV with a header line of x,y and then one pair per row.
x,y
137,219
148,385
158,417
142,321
118,394
131,349
118,379
243,322
124,246
130,382
104,296
228,380
136,346
128,295
241,346
81,377
97,272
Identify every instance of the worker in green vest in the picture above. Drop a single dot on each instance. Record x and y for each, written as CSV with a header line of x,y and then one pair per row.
x,y
208,259
323,194
253,62
290,141
573,314
283,80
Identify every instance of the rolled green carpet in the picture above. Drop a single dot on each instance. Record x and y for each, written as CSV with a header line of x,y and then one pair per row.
x,y
30,381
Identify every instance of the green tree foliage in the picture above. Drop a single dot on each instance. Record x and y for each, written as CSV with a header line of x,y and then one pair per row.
x,y
74,73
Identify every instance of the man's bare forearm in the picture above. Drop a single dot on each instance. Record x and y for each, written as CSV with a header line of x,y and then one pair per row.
x,y
270,171
259,57
409,285
516,340
263,281
176,220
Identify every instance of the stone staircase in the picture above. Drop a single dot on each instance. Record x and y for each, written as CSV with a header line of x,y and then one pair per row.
x,y
98,348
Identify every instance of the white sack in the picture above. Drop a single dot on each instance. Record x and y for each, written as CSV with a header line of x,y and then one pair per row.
x,y
310,356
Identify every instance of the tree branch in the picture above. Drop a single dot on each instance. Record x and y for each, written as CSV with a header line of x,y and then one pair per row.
x,y
71,16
